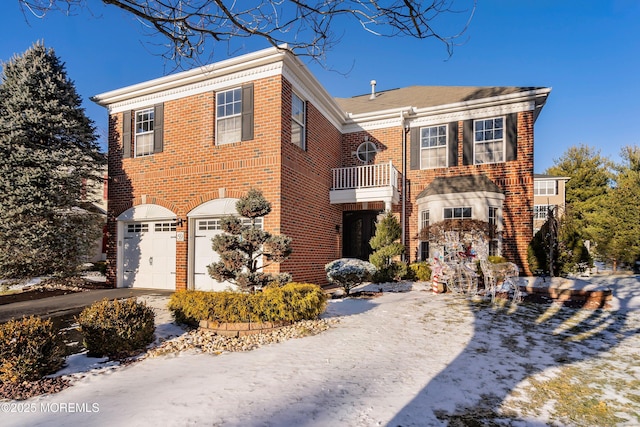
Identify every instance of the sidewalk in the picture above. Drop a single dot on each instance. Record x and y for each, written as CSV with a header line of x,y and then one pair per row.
x,y
65,304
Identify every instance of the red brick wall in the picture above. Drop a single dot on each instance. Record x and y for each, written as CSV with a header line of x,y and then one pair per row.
x,y
515,178
191,170
307,216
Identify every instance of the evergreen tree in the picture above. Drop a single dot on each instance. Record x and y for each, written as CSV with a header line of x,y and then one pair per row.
x,y
49,151
242,246
386,247
618,228
588,188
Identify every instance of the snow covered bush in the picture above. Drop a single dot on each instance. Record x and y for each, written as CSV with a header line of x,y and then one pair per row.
x,y
349,272
29,349
117,328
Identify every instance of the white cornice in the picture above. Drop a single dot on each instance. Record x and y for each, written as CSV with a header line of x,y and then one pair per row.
x,y
496,105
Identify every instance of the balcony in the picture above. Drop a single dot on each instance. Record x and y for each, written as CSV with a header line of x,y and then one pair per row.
x,y
369,183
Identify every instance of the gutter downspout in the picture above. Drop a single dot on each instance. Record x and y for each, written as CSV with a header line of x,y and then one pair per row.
x,y
403,218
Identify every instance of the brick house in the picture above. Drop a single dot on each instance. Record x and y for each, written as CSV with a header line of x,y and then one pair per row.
x,y
184,148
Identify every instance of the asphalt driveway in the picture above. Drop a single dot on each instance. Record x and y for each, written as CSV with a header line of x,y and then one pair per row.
x,y
65,304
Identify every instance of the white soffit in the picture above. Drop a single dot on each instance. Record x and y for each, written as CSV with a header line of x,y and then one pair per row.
x,y
145,213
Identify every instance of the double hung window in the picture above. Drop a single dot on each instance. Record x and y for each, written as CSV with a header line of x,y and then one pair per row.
x,y
489,140
144,132
433,147
229,116
298,120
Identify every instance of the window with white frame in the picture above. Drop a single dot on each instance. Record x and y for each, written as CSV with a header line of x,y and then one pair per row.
x,y
542,211
433,147
457,213
366,151
424,244
229,116
545,188
489,141
298,121
493,231
144,132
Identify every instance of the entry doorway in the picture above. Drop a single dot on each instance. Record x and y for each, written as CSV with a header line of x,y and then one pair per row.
x,y
359,227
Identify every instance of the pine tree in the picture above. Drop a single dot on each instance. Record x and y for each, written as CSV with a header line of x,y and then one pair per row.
x,y
618,227
386,247
49,151
242,246
588,188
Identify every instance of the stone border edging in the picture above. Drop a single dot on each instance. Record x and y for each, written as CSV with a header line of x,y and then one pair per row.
x,y
240,329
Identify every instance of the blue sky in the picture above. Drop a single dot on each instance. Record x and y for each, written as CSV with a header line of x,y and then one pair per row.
x,y
587,51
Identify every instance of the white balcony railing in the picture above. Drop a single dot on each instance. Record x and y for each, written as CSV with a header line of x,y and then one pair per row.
x,y
367,183
368,176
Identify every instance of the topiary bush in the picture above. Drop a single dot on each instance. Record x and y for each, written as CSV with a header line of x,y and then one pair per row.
x,y
30,348
292,302
116,328
349,272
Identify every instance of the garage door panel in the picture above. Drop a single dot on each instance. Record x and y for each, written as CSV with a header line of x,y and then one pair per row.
x,y
149,255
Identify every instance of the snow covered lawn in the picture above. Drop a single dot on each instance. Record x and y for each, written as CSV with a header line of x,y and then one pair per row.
x,y
401,359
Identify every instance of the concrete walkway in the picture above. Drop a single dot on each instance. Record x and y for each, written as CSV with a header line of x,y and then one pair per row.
x,y
65,304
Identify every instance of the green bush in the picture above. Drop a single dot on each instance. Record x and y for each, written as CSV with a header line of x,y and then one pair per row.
x,y
291,302
117,328
420,271
495,259
29,349
349,272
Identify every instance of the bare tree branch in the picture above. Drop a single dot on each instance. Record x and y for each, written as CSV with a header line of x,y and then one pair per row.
x,y
191,28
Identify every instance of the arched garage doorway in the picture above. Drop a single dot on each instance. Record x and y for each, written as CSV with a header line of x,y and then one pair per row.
x,y
147,248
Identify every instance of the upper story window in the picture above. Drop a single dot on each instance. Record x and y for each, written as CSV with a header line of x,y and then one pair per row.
x,y
144,132
433,147
229,116
545,188
457,213
298,121
489,141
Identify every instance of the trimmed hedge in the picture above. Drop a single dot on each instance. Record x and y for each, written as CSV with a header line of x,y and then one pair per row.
x,y
30,348
117,328
291,302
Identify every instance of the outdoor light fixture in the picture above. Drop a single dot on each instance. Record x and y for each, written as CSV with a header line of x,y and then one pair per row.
x,y
179,222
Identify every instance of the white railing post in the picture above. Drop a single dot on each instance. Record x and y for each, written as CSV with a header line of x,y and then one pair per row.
x,y
366,176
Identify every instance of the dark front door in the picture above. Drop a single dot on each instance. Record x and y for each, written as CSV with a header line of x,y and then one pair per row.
x,y
359,227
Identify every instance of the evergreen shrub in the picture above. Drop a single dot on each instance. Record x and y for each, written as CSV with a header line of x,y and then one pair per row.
x,y
349,272
420,271
291,302
117,328
30,348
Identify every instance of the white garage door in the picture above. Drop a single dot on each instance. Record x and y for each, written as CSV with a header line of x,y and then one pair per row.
x,y
149,255
204,255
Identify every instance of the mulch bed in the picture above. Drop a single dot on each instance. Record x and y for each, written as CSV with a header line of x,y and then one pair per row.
x,y
27,389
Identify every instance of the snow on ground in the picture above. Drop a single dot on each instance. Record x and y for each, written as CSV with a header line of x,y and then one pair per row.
x,y
400,359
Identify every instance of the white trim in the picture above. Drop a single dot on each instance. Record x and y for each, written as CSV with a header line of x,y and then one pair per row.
x,y
146,212
215,207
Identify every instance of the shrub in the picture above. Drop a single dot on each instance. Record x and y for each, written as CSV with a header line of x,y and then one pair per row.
x,y
421,271
117,328
495,259
291,302
29,349
387,248
349,272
